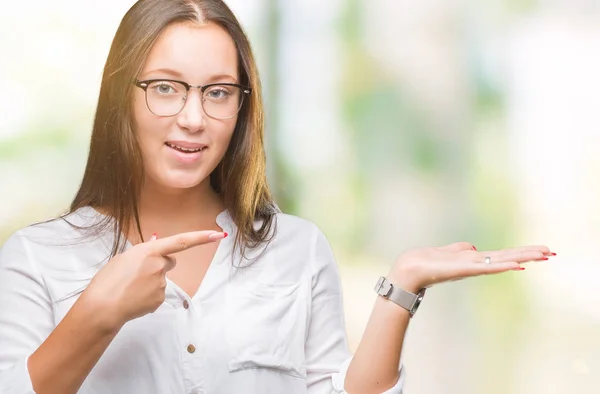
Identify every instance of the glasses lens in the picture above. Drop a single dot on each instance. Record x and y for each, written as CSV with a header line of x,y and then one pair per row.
x,y
222,101
165,98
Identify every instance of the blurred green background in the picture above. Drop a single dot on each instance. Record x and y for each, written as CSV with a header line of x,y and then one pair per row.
x,y
392,124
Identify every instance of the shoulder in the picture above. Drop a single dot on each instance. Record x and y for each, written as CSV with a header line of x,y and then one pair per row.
x,y
296,231
67,227
302,237
287,225
50,240
295,251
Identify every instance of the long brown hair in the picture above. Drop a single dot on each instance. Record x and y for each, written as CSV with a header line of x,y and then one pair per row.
x,y
114,171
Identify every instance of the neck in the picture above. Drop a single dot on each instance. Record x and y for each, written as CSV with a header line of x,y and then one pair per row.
x,y
169,212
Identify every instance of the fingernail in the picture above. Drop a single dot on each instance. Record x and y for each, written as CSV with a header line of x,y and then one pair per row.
x,y
552,254
545,258
519,269
474,248
154,237
225,234
217,236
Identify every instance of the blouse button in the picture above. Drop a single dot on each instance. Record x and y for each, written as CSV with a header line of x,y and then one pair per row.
x,y
186,304
191,348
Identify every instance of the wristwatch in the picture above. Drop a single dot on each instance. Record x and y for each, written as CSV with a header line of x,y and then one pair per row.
x,y
405,299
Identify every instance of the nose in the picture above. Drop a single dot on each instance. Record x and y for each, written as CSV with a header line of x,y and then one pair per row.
x,y
192,117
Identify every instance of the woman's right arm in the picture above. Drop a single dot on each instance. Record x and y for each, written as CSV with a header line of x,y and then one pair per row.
x,y
38,358
35,357
66,357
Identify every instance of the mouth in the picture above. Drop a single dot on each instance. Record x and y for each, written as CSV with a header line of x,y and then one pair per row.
x,y
186,148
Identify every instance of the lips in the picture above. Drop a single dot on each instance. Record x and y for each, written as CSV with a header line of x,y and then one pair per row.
x,y
185,147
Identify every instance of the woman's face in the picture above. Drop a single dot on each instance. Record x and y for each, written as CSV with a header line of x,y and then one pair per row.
x,y
181,151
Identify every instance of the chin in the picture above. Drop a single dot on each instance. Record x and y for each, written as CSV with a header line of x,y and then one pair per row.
x,y
178,182
183,183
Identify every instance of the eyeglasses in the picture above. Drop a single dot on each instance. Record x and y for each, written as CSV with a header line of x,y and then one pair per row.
x,y
167,97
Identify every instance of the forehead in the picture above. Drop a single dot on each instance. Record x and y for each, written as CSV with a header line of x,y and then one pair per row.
x,y
197,52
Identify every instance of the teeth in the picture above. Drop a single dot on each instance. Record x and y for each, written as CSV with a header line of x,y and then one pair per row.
x,y
182,149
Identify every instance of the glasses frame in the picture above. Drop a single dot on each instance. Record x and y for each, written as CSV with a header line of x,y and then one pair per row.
x,y
144,84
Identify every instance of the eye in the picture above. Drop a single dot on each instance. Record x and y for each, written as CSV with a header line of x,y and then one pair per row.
x,y
164,87
217,93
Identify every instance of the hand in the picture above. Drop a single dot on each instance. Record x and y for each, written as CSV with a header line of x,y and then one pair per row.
x,y
421,268
133,283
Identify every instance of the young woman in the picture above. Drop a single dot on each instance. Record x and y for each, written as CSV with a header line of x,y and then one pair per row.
x,y
173,271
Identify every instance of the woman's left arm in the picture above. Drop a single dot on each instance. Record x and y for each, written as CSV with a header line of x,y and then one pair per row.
x,y
374,367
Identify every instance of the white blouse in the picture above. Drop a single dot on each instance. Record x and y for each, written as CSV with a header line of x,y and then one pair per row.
x,y
276,326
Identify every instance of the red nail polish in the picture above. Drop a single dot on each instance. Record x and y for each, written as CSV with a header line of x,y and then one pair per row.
x,y
474,248
545,258
155,235
519,269
225,234
552,254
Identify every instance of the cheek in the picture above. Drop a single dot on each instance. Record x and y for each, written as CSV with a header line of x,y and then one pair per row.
x,y
221,144
148,128
225,136
226,140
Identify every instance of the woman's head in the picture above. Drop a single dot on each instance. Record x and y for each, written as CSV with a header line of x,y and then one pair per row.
x,y
183,131
179,107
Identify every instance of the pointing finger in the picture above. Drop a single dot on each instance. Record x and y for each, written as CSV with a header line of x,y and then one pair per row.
x,y
180,242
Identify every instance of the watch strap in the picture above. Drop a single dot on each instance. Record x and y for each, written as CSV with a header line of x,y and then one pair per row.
x,y
405,299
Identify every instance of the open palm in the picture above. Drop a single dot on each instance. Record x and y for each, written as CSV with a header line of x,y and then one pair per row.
x,y
421,268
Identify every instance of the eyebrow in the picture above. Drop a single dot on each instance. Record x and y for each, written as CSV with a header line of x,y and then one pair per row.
x,y
177,74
